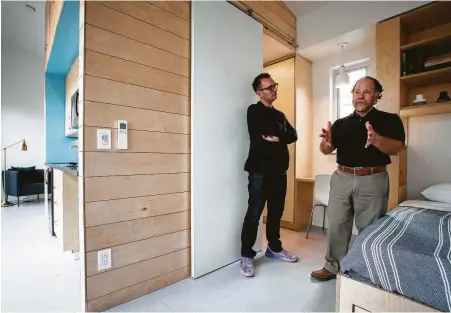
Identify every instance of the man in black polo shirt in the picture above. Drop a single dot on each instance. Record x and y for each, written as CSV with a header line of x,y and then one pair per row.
x,y
360,186
267,163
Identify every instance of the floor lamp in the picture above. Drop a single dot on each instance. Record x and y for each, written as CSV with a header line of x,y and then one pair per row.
x,y
23,147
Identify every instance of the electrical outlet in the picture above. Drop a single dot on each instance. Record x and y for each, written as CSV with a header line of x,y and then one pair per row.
x,y
104,259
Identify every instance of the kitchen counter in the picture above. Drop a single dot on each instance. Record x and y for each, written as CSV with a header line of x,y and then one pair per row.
x,y
65,167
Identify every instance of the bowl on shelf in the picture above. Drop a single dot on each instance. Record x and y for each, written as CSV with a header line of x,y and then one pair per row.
x,y
419,99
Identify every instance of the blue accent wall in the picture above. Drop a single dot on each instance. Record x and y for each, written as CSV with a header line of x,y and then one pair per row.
x,y
57,144
63,54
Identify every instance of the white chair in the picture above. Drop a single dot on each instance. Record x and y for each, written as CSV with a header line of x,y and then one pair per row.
x,y
320,196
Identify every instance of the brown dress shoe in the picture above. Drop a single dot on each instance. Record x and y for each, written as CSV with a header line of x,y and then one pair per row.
x,y
323,275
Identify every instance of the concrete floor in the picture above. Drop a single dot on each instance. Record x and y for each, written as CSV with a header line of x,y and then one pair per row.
x,y
38,277
277,286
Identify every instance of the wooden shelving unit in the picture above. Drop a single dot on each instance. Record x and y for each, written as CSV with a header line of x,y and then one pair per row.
x,y
425,79
425,109
403,45
441,38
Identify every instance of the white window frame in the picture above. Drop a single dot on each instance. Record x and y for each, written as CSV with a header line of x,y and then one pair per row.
x,y
335,105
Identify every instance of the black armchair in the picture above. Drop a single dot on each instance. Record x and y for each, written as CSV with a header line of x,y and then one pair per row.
x,y
24,183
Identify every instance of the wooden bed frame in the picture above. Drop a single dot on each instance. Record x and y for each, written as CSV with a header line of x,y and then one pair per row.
x,y
355,296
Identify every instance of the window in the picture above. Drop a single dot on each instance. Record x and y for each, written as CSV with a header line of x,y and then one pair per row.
x,y
342,104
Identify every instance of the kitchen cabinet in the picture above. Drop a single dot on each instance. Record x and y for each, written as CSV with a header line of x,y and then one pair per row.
x,y
65,210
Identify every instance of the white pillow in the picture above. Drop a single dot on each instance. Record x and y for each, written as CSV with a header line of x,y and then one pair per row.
x,y
439,193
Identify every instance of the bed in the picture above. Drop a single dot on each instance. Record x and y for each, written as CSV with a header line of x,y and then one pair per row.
x,y
402,262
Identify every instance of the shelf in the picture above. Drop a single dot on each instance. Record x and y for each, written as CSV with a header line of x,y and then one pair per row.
x,y
434,77
425,109
425,42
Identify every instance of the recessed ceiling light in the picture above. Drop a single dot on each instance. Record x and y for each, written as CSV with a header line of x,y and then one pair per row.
x,y
30,8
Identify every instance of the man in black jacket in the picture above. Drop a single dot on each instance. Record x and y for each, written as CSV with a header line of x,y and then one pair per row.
x,y
267,163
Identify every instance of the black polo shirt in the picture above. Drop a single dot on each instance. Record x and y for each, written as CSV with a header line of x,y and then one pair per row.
x,y
349,136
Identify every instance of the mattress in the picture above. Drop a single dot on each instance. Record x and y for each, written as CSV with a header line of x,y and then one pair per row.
x,y
408,252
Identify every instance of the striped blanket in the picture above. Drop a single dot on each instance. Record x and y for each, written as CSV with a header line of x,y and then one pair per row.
x,y
407,251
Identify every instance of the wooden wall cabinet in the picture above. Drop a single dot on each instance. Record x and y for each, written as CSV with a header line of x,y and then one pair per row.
x,y
404,78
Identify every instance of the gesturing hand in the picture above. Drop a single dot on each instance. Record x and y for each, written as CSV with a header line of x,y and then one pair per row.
x,y
373,137
271,138
327,134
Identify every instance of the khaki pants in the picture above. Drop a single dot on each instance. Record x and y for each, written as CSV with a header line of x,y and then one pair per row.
x,y
365,197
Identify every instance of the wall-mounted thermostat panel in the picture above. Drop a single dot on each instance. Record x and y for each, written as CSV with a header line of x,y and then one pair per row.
x,y
104,139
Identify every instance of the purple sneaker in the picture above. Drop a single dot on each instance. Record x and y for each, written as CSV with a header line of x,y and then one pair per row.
x,y
247,267
283,255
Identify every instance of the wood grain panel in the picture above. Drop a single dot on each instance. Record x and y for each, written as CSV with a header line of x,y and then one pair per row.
x,y
281,40
113,211
141,141
105,283
124,295
428,33
109,188
103,236
109,43
106,115
272,18
178,8
304,116
388,38
122,24
139,251
105,66
153,15
283,72
281,11
110,164
108,91
352,293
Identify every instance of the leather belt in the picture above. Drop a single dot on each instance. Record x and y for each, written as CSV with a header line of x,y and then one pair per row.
x,y
362,171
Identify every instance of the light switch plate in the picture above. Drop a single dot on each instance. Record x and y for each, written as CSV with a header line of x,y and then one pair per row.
x,y
104,139
104,259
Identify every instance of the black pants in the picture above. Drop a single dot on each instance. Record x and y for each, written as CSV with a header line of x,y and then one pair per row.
x,y
270,188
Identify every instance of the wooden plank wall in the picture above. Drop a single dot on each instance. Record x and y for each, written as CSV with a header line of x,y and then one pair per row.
x,y
136,67
273,14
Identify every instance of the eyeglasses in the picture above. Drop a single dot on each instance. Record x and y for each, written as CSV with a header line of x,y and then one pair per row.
x,y
271,87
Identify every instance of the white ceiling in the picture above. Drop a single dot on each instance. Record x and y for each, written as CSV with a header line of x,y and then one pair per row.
x,y
357,38
300,8
24,29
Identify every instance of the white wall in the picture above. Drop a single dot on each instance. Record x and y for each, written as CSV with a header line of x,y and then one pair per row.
x,y
340,17
22,106
227,53
428,153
